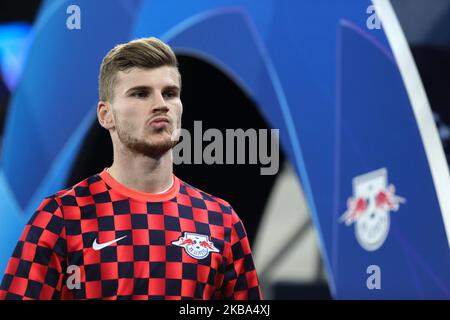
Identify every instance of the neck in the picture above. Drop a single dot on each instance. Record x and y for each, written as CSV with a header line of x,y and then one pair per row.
x,y
142,173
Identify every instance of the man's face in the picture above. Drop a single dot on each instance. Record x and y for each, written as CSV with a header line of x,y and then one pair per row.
x,y
147,109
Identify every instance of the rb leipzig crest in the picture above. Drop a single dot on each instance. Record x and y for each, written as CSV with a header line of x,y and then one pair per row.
x,y
369,208
196,245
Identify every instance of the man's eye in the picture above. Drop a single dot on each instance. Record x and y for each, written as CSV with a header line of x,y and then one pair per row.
x,y
170,94
140,94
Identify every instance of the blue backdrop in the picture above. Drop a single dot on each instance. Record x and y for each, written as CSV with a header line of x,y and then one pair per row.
x,y
313,68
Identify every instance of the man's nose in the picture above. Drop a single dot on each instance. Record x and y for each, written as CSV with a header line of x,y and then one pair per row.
x,y
159,104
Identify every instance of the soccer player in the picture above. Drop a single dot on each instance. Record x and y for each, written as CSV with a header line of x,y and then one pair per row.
x,y
134,230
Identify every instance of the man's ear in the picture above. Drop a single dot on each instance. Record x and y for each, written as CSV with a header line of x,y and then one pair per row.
x,y
105,115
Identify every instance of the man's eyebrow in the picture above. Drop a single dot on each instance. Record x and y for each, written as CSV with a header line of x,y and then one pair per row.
x,y
147,88
138,88
172,87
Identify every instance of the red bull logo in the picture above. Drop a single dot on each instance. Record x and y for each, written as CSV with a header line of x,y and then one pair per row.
x,y
196,245
369,208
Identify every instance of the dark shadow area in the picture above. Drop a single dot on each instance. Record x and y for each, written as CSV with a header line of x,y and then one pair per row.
x,y
434,68
95,154
297,291
4,100
19,10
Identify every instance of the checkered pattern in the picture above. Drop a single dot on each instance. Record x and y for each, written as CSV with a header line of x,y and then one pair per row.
x,y
144,264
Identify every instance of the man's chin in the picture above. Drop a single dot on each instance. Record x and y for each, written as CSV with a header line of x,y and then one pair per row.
x,y
154,144
156,149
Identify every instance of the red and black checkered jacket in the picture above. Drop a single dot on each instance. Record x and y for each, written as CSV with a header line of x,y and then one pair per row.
x,y
101,240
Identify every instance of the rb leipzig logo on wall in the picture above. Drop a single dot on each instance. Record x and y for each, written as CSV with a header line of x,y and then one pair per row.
x,y
369,208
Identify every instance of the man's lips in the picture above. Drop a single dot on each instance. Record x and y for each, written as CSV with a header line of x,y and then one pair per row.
x,y
159,122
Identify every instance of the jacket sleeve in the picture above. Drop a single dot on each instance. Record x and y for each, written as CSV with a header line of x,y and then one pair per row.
x,y
240,278
37,266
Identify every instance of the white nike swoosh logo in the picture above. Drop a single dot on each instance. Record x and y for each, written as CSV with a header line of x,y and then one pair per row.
x,y
99,246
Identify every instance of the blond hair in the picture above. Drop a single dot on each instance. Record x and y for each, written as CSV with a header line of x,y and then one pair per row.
x,y
146,53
